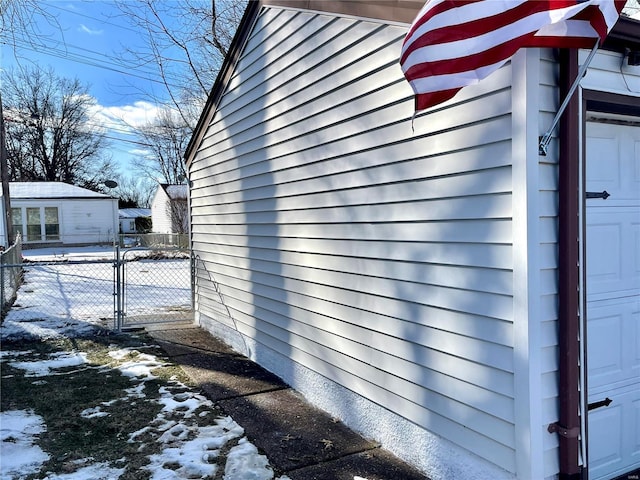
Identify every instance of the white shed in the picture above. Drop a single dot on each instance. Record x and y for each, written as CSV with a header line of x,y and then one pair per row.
x,y
128,216
59,213
447,291
169,209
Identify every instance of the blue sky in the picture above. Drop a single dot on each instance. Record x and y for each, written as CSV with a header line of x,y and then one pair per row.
x,y
84,41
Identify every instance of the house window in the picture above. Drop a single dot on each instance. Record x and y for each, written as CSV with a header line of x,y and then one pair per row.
x,y
34,226
42,223
51,225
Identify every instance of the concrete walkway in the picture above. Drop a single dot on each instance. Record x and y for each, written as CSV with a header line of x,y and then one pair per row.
x,y
299,440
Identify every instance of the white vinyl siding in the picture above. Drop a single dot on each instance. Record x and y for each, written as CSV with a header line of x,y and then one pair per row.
x,y
609,72
160,212
326,230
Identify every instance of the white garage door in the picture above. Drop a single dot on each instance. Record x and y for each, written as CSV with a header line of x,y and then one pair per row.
x,y
613,298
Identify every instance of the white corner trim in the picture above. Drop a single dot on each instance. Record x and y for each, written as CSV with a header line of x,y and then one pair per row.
x,y
526,271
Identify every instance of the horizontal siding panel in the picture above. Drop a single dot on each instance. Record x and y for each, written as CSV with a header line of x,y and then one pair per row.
x,y
498,256
428,325
263,82
339,139
455,276
350,185
548,255
465,231
404,290
604,73
476,303
314,341
465,208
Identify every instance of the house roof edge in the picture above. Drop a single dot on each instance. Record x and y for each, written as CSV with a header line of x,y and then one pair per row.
x,y
403,11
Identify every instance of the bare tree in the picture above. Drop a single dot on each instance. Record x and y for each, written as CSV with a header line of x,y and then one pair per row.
x,y
49,134
178,212
188,57
135,192
19,21
167,137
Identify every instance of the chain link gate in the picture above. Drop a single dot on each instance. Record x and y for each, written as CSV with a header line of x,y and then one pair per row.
x,y
153,286
124,289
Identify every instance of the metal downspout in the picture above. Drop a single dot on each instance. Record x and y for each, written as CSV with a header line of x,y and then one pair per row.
x,y
569,274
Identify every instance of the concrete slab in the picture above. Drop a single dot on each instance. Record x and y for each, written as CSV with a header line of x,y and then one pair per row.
x,y
292,433
223,376
299,440
375,464
189,340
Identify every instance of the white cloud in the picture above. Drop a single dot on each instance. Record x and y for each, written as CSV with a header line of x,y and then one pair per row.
x,y
85,29
123,117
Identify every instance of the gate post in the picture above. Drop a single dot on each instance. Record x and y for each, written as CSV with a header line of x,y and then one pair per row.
x,y
118,290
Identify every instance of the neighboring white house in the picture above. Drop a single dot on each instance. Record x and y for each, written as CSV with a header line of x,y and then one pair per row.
x,y
59,213
128,216
169,209
444,289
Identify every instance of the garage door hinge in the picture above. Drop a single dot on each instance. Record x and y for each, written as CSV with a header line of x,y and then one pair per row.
x,y
564,431
602,403
603,195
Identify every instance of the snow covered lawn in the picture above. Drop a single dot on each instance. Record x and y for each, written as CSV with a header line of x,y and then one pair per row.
x,y
111,407
79,402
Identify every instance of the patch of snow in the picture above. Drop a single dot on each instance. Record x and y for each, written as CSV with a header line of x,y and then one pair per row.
x,y
20,455
94,412
97,471
245,463
139,365
186,402
57,360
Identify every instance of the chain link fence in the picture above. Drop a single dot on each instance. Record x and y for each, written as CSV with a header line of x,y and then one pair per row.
x,y
110,287
10,274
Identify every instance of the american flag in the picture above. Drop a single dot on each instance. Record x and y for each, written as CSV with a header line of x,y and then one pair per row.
x,y
453,43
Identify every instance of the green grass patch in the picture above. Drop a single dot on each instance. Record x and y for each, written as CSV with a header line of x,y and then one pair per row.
x,y
66,397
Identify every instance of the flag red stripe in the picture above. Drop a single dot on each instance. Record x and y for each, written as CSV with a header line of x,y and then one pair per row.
x,y
467,63
426,100
428,71
481,26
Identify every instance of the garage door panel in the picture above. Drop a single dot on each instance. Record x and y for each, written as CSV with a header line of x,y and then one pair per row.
x,y
605,448
614,337
615,449
613,252
604,168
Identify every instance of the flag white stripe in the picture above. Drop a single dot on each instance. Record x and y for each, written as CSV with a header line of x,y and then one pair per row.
x,y
570,28
437,83
455,16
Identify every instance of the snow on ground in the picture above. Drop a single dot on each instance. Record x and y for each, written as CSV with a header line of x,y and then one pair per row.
x,y
189,449
193,448
18,433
